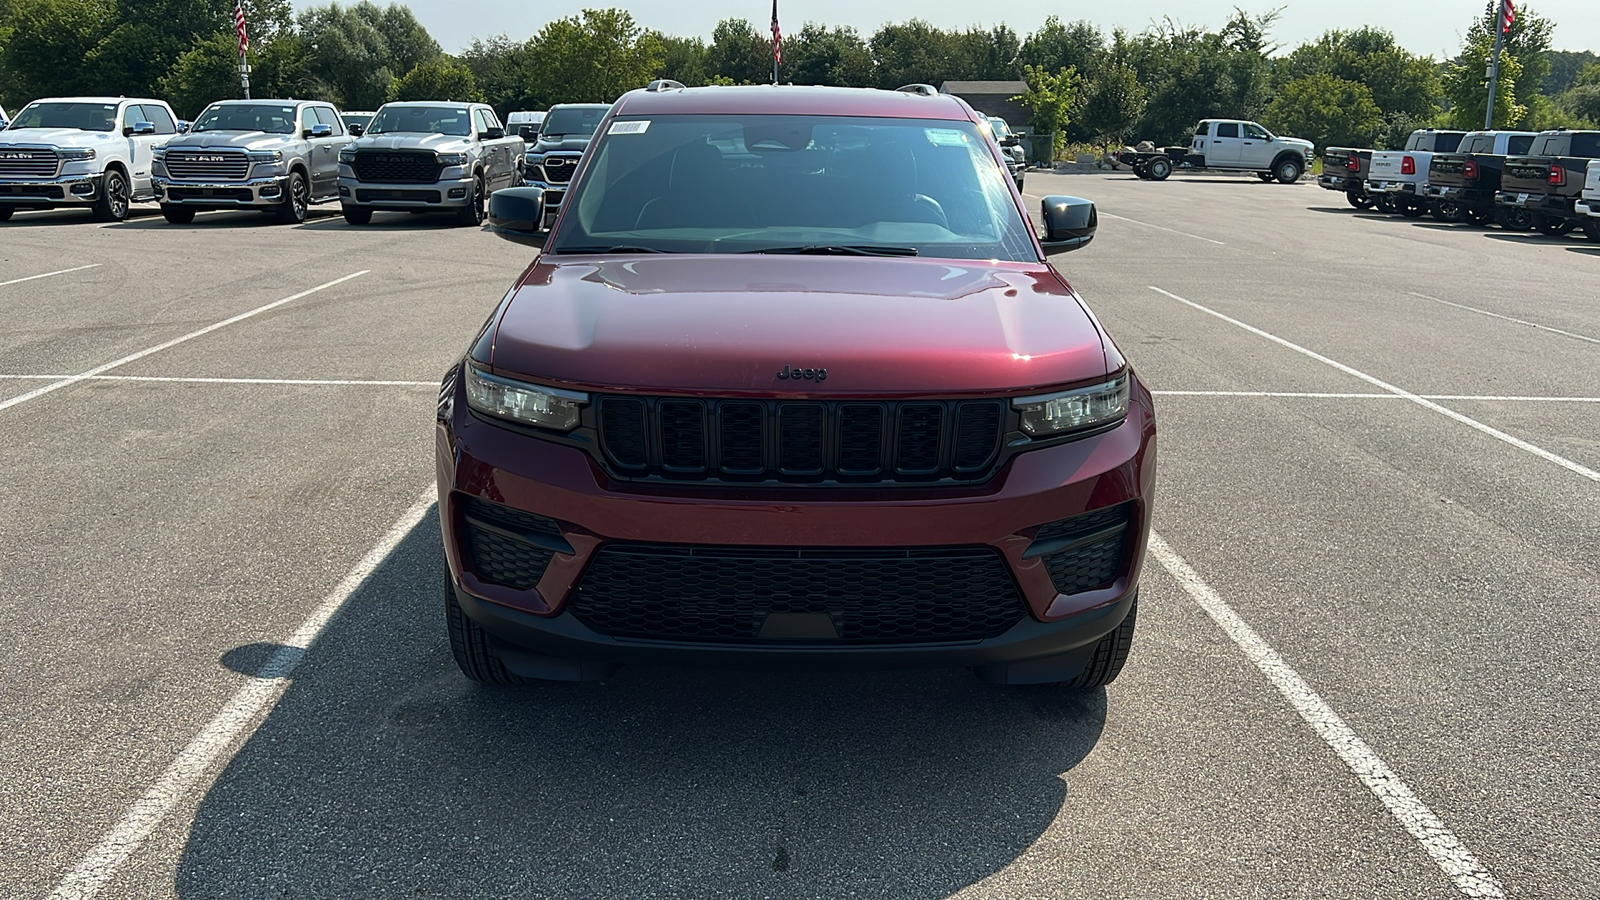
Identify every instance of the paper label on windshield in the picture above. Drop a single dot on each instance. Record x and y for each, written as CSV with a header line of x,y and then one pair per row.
x,y
946,137
638,126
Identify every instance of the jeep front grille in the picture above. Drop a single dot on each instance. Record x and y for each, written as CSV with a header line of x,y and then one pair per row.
x,y
208,165
28,163
396,166
801,440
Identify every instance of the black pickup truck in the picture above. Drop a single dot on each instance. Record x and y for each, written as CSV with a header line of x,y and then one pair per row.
x,y
1548,181
1344,169
1463,185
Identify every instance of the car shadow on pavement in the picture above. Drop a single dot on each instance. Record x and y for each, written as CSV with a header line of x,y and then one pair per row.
x,y
1591,251
392,222
1528,237
73,216
382,772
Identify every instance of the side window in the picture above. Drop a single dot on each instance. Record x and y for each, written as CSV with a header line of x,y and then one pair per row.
x,y
1202,130
159,117
328,117
308,118
1483,143
1255,132
1519,145
1586,144
480,120
1227,129
131,114
1448,143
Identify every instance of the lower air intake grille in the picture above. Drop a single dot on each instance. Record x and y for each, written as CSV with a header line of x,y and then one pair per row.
x,y
1091,556
723,594
497,554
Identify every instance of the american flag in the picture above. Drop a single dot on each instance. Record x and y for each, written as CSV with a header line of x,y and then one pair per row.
x,y
1508,17
777,36
244,36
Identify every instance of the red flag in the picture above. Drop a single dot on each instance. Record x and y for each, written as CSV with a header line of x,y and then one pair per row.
x,y
777,35
1508,17
238,24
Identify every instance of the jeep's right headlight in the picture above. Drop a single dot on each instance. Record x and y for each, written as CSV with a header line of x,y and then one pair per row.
x,y
528,404
75,154
1049,415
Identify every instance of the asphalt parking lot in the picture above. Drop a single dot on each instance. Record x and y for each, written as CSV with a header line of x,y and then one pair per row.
x,y
1364,667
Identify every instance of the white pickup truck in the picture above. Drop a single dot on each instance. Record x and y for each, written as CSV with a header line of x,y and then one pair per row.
x,y
1397,181
82,151
1589,203
1229,145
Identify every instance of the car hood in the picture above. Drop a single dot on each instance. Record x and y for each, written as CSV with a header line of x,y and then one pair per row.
x,y
242,140
57,137
732,323
441,143
569,144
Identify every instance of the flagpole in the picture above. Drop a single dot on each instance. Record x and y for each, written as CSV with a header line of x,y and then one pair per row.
x,y
1494,67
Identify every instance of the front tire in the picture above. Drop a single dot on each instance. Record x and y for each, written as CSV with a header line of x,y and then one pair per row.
x,y
1109,656
473,212
1359,201
296,201
1160,168
115,200
358,215
177,215
1289,171
470,645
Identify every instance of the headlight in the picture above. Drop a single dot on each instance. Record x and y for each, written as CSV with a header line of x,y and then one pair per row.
x,y
530,404
261,156
347,155
452,159
159,153
1084,408
73,154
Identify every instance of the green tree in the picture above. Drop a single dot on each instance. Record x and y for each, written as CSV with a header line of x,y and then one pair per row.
x,y
913,52
500,68
683,59
355,53
819,55
1566,70
441,78
1057,45
1246,86
1051,100
1469,96
1400,82
740,53
47,37
986,54
593,57
209,71
1113,102
1327,111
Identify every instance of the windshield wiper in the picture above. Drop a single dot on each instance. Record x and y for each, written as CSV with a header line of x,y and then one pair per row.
x,y
841,250
604,248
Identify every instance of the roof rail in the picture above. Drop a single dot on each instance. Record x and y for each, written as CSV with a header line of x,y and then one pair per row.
x,y
664,84
921,90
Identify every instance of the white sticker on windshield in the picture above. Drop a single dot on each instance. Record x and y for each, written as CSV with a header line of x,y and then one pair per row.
x,y
638,126
946,137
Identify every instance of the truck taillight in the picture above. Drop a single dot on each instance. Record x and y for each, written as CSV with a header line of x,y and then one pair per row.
x,y
1408,165
1470,170
1558,176
1353,164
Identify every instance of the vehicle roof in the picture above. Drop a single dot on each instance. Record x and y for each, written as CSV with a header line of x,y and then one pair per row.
x,y
556,106
255,101
462,103
97,100
768,99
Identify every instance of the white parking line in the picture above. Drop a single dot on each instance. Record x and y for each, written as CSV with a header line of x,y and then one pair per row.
x,y
48,274
241,715
1471,877
1485,312
1316,396
84,376
1468,421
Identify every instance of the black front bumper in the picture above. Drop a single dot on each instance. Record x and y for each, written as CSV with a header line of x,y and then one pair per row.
x,y
1030,652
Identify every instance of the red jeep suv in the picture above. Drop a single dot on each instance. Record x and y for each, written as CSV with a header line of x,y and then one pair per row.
x,y
791,383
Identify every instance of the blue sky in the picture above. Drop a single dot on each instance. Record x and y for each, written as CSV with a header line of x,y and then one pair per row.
x,y
1424,26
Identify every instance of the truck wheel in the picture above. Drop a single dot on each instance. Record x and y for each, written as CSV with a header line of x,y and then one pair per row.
x,y
1411,207
1383,203
470,645
1554,227
177,215
1160,168
1110,655
1513,218
1476,216
1591,228
114,200
296,200
1447,211
473,212
357,215
1289,171
1359,201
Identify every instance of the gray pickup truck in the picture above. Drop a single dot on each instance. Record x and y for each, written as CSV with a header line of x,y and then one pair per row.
x,y
428,157
279,156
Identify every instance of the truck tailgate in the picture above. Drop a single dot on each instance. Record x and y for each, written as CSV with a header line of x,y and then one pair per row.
x,y
1526,174
1448,170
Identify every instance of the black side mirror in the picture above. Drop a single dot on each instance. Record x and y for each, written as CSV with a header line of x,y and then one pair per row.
x,y
183,126
139,128
1069,223
355,129
319,131
493,134
517,214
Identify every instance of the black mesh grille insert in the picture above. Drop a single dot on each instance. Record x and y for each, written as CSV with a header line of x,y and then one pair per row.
x,y
622,424
683,435
723,594
918,448
496,555
1090,564
802,440
396,166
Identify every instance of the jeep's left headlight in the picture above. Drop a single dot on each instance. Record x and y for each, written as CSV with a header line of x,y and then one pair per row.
x,y
1048,415
452,159
76,154
529,404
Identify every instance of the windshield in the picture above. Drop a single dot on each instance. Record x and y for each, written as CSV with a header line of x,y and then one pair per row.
x,y
577,122
798,184
1001,129
82,116
422,120
273,118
